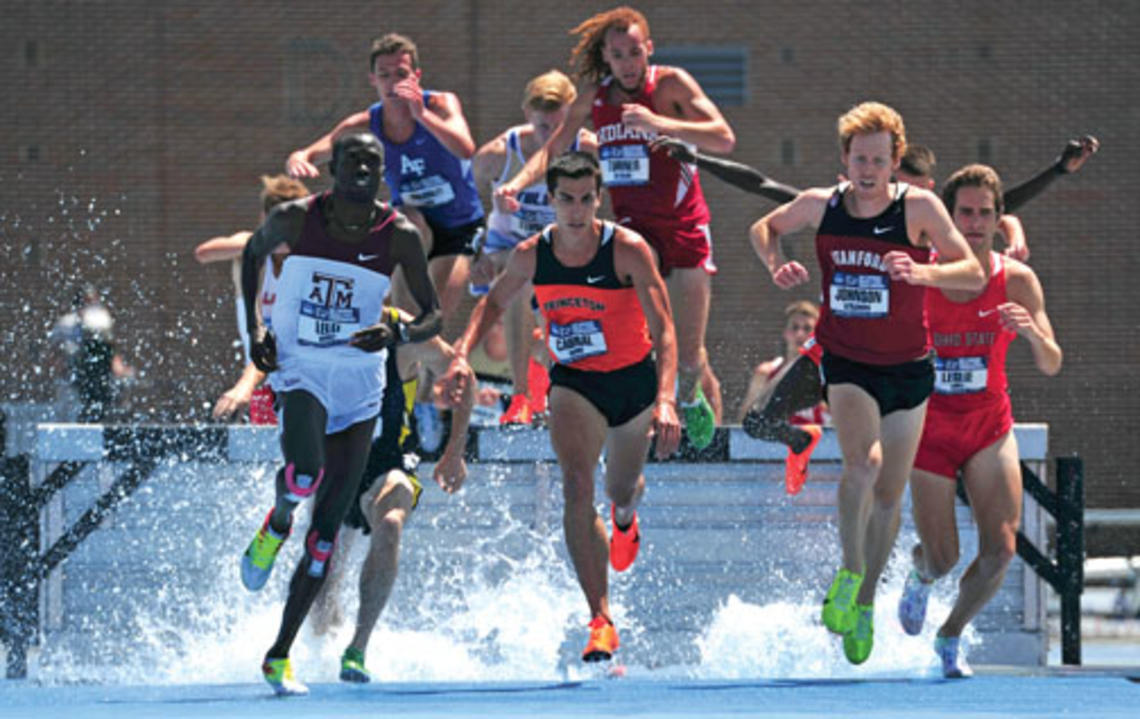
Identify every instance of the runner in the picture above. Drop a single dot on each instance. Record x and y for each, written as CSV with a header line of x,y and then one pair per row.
x,y
873,243
545,103
427,153
606,312
327,347
969,422
249,390
799,327
632,102
390,490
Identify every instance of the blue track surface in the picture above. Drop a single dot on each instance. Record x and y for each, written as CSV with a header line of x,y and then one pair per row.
x,y
1093,695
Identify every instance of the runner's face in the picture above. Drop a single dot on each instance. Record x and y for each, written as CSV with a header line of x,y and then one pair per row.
x,y
545,122
358,170
388,70
869,163
975,216
627,53
797,331
576,203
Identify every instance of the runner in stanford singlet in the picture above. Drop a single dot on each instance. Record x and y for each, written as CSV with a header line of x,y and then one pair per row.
x,y
872,239
969,421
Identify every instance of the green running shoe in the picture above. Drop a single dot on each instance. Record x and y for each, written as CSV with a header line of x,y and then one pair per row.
x,y
257,562
858,642
700,422
352,667
279,674
839,606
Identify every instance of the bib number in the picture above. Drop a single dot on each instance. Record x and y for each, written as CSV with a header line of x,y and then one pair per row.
x,y
431,191
860,296
576,341
320,326
624,165
960,375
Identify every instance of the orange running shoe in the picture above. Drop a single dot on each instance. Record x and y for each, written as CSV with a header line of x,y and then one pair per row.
x,y
796,468
603,640
623,544
518,412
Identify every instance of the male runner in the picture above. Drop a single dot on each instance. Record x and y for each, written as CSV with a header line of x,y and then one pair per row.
x,y
607,318
390,490
327,347
873,241
631,102
546,102
247,392
427,154
969,422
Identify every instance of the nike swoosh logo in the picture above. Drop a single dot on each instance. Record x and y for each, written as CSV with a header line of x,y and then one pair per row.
x,y
880,230
595,280
984,313
366,258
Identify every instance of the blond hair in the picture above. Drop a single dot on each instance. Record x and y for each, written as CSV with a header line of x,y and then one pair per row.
x,y
549,91
807,308
982,176
280,188
586,58
867,118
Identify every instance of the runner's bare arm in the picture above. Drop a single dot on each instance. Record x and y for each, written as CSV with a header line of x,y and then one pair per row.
x,y
303,162
1011,230
279,233
957,268
634,260
686,113
736,174
518,271
443,118
559,142
1024,314
408,253
222,248
804,211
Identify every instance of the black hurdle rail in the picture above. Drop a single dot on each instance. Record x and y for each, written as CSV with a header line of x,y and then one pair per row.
x,y
1067,574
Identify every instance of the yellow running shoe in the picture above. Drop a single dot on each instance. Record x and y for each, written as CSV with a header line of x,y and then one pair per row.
x,y
700,421
279,674
257,562
858,642
839,606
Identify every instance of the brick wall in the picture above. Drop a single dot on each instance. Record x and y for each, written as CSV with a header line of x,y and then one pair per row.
x,y
133,130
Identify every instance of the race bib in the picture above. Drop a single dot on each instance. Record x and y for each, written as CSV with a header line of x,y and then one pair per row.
x,y
320,326
430,191
624,165
576,341
960,375
860,296
525,223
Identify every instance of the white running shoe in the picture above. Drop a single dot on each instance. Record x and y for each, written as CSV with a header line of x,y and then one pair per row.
x,y
954,665
429,426
912,603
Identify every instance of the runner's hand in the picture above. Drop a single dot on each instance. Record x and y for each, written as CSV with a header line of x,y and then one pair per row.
x,y
482,270
638,117
298,165
902,268
454,382
667,428
1077,152
1015,318
410,92
374,338
230,403
790,274
263,350
678,150
450,471
505,200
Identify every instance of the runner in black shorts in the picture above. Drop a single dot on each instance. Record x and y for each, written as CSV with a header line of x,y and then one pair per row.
x,y
606,309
